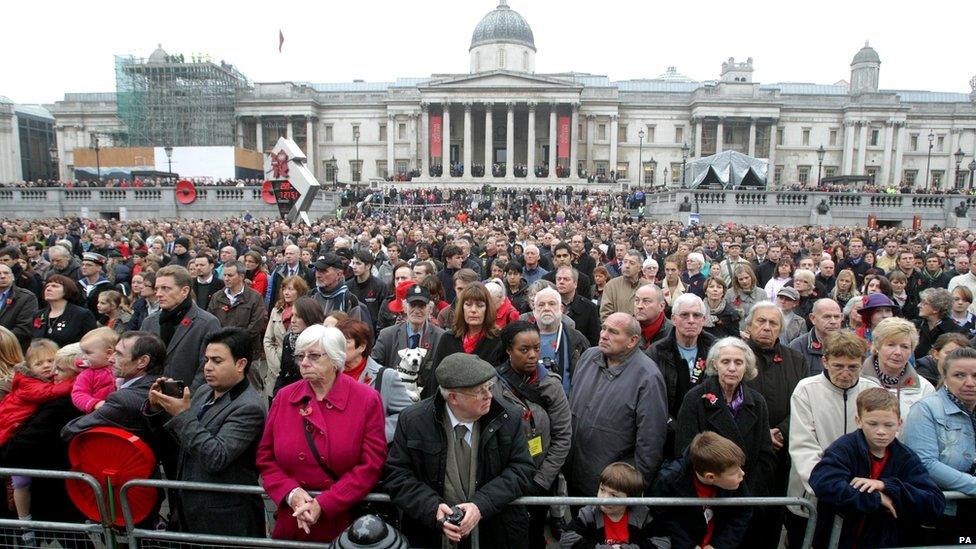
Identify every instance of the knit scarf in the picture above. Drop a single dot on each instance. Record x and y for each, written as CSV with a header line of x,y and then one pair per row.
x,y
885,379
651,330
336,296
168,320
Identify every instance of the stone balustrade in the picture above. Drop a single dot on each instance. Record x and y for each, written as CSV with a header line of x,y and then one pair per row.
x,y
145,203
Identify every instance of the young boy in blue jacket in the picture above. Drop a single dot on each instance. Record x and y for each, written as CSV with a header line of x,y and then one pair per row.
x,y
871,479
711,467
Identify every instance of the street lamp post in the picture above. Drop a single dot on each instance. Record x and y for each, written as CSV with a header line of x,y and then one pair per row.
x,y
355,136
335,173
640,159
684,161
820,156
972,174
53,152
958,154
169,161
928,162
98,163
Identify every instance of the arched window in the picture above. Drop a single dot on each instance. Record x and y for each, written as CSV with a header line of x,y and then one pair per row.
x,y
501,58
525,61
477,61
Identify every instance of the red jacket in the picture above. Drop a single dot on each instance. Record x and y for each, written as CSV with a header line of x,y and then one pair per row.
x,y
348,430
27,393
506,314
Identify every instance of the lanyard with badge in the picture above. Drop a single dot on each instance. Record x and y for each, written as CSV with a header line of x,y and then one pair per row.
x,y
535,439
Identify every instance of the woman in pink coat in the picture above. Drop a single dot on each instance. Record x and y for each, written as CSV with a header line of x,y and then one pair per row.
x,y
344,420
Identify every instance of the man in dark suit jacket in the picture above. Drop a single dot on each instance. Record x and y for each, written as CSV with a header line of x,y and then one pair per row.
x,y
218,433
205,282
291,267
17,307
562,256
583,312
417,332
139,357
181,324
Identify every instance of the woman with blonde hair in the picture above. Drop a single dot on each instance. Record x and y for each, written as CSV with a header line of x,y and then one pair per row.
x,y
893,345
845,287
279,323
10,356
112,312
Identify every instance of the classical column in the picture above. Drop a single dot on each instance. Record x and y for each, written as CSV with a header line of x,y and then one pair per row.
x,y
848,159
552,140
896,178
574,141
590,131
771,165
510,141
424,164
862,144
698,137
446,141
613,143
752,137
530,143
390,144
309,145
886,159
259,135
719,135
950,180
467,140
489,139
240,132
413,118
289,129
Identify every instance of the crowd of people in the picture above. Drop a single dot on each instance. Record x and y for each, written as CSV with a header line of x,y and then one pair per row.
x,y
543,345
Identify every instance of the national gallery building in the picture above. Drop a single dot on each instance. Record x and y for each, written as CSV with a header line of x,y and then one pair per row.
x,y
503,122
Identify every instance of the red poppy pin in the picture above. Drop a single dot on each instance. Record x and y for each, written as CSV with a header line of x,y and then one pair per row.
x,y
909,382
185,322
816,345
10,301
700,364
226,308
306,411
777,359
368,380
711,398
38,322
738,301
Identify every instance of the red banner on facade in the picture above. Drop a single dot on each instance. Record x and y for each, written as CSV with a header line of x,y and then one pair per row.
x,y
562,137
436,136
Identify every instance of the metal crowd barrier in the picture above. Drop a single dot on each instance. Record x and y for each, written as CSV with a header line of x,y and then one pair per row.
x,y
57,534
164,539
838,525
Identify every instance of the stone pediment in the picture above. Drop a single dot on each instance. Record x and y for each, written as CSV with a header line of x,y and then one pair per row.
x,y
500,80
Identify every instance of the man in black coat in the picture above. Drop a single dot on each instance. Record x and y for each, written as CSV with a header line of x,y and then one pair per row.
x,y
460,449
17,307
583,312
205,282
369,289
581,260
562,258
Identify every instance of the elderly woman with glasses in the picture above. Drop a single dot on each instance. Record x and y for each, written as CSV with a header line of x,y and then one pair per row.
x,y
725,405
324,433
934,307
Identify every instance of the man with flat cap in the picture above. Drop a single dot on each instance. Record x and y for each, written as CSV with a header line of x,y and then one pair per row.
x,y
93,281
461,450
417,332
331,292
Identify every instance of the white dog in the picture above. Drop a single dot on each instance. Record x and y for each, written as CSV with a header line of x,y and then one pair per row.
x,y
409,369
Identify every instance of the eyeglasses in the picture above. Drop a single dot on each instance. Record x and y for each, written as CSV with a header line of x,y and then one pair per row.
x,y
482,392
312,357
690,316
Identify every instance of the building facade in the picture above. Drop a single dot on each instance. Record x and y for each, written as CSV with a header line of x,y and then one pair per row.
x,y
27,143
503,114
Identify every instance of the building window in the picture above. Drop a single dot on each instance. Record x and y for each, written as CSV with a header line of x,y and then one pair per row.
x,y
401,131
382,133
778,174
803,174
601,167
913,142
941,143
402,166
601,132
961,176
622,133
832,140
356,167
328,133
579,132
679,134
623,170
806,137
381,170
875,137
525,61
937,177
780,138
675,173
330,171
649,168
477,61
649,134
910,176
829,171
501,58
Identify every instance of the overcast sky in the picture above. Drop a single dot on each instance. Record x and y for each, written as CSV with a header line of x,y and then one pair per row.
x,y
49,48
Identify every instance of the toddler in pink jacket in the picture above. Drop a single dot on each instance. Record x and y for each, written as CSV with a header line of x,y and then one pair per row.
x,y
96,380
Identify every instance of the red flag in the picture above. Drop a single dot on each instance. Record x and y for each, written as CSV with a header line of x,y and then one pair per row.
x,y
281,40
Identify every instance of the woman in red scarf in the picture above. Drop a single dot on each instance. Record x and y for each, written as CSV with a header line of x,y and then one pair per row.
x,y
473,332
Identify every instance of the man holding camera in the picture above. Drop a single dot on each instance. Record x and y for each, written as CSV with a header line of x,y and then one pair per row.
x,y
457,460
562,345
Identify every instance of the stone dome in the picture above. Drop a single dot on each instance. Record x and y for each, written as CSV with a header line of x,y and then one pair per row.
x,y
866,55
503,25
158,56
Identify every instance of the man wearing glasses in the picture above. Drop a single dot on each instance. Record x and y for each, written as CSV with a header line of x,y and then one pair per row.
x,y
458,459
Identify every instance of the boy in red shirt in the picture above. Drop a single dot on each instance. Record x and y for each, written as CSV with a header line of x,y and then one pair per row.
x,y
616,526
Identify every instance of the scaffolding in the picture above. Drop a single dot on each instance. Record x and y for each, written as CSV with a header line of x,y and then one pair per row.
x,y
166,101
